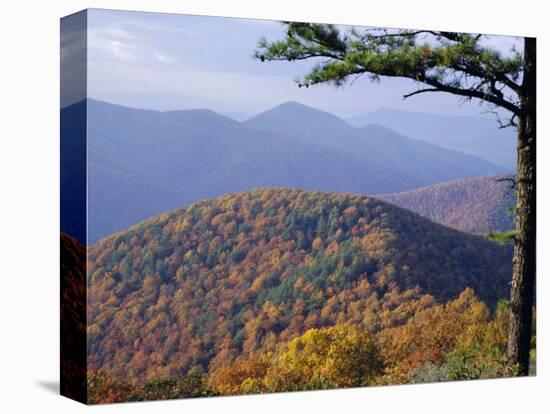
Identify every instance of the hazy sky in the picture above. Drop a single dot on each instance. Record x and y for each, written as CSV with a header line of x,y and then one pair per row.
x,y
171,61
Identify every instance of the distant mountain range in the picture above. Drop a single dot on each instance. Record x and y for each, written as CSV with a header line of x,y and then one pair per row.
x,y
415,160
473,205
142,162
473,135
228,276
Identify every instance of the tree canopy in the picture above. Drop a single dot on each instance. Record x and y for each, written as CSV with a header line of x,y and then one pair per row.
x,y
459,63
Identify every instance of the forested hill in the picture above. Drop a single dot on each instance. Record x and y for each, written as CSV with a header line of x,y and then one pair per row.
x,y
231,275
474,205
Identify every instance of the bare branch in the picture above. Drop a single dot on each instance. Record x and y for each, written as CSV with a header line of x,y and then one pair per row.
x,y
369,36
510,180
473,93
511,122
419,91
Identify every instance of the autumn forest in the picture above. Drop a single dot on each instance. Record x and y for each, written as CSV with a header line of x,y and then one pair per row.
x,y
210,249
279,290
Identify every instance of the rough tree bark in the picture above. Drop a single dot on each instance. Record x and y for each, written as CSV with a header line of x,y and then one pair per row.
x,y
524,271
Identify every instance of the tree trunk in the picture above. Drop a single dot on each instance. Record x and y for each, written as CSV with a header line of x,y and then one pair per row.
x,y
524,272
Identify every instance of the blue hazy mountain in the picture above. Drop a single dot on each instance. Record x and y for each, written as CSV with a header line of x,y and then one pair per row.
x,y
475,135
142,163
73,170
424,162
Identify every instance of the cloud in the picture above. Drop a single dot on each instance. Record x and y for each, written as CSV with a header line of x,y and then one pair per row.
x,y
163,58
122,51
106,43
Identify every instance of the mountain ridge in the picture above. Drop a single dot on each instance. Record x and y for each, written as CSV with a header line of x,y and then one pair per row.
x,y
470,134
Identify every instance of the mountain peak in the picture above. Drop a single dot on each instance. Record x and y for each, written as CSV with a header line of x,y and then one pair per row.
x,y
290,108
292,104
297,118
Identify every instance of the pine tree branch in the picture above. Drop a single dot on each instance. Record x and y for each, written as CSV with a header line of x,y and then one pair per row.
x,y
419,91
381,55
474,93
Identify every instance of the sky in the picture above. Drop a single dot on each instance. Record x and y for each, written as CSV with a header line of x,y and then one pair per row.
x,y
172,61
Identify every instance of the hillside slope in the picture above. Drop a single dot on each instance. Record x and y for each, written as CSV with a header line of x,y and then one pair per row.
x,y
227,276
473,205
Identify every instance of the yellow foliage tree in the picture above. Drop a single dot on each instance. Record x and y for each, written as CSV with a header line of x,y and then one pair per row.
x,y
338,356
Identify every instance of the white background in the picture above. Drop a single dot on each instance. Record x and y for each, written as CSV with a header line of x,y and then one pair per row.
x,y
29,162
